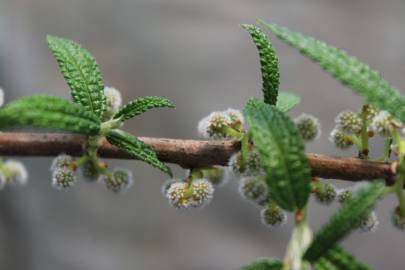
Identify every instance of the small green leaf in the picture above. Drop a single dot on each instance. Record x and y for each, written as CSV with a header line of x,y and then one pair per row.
x,y
344,260
49,112
346,69
141,105
282,153
344,221
81,72
268,62
325,264
287,101
265,264
137,149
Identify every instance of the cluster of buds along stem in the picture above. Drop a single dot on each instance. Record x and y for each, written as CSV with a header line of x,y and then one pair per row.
x,y
222,125
308,126
188,193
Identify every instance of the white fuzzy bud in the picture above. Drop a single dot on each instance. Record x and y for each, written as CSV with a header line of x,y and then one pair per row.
x,y
325,194
308,126
250,167
384,123
120,181
235,117
349,122
62,161
214,126
63,178
113,100
370,223
340,139
16,172
202,192
177,195
254,189
273,216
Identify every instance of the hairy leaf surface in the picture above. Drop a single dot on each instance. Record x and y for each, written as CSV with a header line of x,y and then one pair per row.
x,y
344,221
81,72
325,264
49,112
282,153
268,63
342,259
141,105
287,101
348,70
265,264
137,149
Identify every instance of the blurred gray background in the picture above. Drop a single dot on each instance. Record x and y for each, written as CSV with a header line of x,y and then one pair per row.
x,y
194,53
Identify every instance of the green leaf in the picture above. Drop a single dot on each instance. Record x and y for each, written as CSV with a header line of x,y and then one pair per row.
x,y
325,264
268,62
287,101
344,260
344,221
282,153
81,72
348,70
265,264
49,112
137,149
141,105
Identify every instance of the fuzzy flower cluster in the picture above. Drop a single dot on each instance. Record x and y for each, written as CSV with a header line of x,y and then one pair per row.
x,y
221,125
119,181
325,193
254,189
188,194
273,216
308,126
12,172
64,176
113,100
384,123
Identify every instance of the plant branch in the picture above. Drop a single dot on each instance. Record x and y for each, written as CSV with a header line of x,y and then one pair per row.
x,y
188,154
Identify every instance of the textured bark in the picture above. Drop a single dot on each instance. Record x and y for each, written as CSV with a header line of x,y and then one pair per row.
x,y
188,154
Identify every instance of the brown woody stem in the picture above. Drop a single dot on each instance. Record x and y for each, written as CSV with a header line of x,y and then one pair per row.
x,y
188,154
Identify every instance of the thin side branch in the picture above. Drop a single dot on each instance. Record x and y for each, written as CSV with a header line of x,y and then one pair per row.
x,y
188,154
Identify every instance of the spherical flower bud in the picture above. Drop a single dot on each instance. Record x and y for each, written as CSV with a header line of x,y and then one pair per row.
x,y
349,122
254,189
120,181
214,126
308,126
325,194
1,97
113,101
216,175
16,172
249,167
340,139
397,220
370,111
90,171
62,161
370,223
63,178
273,216
344,195
236,119
202,192
384,123
178,195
